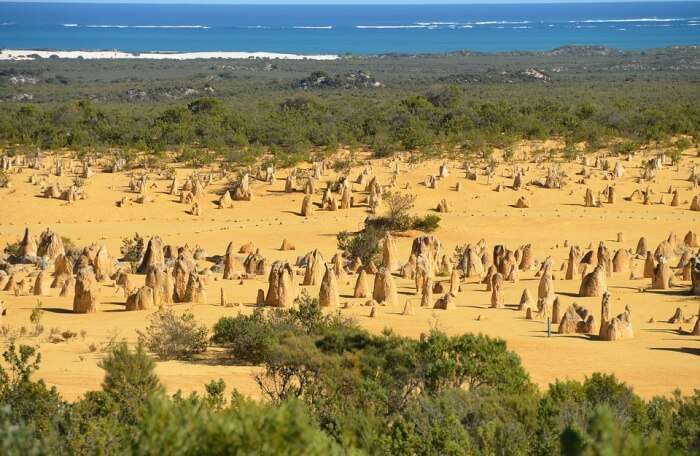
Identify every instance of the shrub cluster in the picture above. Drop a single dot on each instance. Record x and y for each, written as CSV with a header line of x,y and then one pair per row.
x,y
334,388
172,336
365,244
419,119
252,338
132,248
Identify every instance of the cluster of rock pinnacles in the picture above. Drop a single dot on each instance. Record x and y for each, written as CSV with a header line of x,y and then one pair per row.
x,y
173,275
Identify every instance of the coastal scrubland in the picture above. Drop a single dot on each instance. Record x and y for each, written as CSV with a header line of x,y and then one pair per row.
x,y
460,103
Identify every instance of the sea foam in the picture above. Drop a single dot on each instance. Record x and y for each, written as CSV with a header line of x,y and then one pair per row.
x,y
415,26
642,19
501,22
119,26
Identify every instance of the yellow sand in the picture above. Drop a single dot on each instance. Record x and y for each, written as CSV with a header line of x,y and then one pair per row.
x,y
656,361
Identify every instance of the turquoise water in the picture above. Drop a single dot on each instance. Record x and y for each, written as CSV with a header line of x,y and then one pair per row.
x,y
358,29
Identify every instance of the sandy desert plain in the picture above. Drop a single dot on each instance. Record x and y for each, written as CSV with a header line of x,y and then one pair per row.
x,y
658,359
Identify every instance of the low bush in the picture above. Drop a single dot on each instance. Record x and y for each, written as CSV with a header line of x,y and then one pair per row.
x,y
337,389
132,248
366,243
13,249
129,380
428,224
252,338
172,336
249,338
363,244
399,206
35,319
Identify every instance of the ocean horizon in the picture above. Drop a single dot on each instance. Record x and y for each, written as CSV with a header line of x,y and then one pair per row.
x,y
345,29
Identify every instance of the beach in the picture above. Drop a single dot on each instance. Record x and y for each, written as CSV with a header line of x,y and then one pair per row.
x,y
27,54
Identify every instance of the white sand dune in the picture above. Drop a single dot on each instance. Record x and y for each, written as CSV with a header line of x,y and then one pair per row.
x,y
29,54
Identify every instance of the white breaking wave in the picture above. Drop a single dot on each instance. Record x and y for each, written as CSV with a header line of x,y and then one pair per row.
x,y
142,26
437,23
434,25
522,27
70,25
391,26
642,19
501,22
314,27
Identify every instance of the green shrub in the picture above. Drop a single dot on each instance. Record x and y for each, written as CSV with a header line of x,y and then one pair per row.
x,y
676,155
684,423
13,249
337,389
399,206
249,338
569,153
382,147
95,425
252,338
35,319
190,427
196,157
605,434
215,394
509,153
571,404
172,336
364,244
22,364
30,402
343,166
132,248
625,147
428,223
19,438
129,380
460,422
683,144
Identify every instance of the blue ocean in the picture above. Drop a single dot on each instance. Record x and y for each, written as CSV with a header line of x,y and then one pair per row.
x,y
340,29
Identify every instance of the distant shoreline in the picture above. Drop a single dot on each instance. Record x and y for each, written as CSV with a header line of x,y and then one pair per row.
x,y
30,54
321,31
15,55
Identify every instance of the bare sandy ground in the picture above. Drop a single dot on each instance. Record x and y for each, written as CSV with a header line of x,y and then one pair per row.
x,y
658,360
